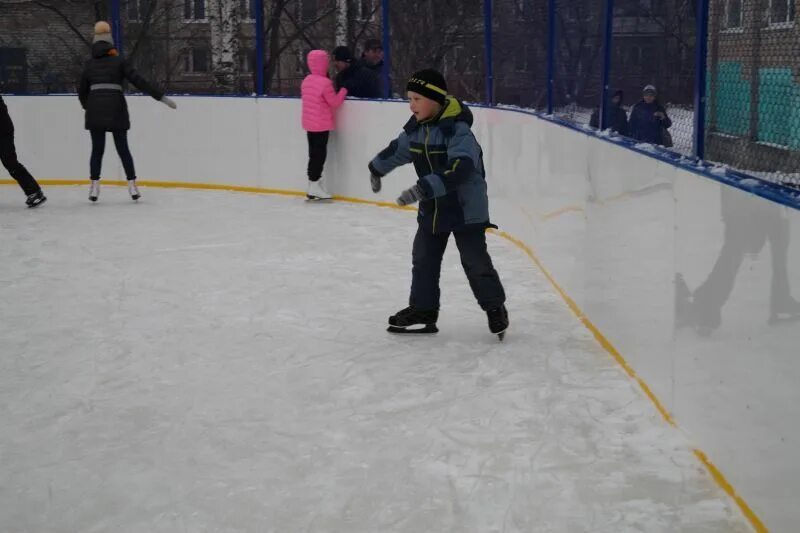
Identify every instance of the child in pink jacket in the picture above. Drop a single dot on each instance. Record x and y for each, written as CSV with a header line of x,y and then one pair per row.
x,y
320,101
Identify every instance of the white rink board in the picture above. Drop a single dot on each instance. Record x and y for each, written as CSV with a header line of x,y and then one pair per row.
x,y
614,227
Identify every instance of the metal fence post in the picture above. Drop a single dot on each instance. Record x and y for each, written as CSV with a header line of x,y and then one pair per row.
x,y
551,52
700,79
608,35
387,50
116,24
259,7
488,55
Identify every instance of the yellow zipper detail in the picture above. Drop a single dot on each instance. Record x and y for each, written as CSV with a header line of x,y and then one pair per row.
x,y
428,157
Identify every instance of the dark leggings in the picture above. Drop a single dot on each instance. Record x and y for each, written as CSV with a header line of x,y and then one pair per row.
x,y
8,156
99,148
317,153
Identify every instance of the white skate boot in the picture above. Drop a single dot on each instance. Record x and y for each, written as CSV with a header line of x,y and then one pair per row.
x,y
133,190
94,190
317,192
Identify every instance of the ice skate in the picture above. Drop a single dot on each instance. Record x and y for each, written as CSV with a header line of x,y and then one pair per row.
x,y
94,190
317,192
411,320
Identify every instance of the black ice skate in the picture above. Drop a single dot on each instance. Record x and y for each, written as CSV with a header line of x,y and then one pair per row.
x,y
498,321
411,320
36,199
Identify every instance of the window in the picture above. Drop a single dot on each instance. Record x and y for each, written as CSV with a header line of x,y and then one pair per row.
x,y
137,9
524,9
733,14
196,61
248,9
366,10
781,12
305,10
247,61
194,10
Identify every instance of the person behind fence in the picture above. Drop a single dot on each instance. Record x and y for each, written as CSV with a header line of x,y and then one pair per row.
x,y
453,198
617,117
359,81
8,156
319,106
372,59
101,94
649,122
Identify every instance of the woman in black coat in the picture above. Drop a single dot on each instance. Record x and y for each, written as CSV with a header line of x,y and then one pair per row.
x,y
8,156
102,96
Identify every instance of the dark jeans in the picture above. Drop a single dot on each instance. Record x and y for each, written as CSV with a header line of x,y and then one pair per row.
x,y
99,148
427,265
8,155
317,153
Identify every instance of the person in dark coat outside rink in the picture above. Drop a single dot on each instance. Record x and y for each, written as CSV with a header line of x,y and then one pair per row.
x,y
649,121
352,75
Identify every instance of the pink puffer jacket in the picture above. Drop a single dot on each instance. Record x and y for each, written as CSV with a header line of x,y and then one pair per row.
x,y
319,98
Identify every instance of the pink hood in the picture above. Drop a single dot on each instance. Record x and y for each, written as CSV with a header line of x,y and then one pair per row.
x,y
318,62
319,98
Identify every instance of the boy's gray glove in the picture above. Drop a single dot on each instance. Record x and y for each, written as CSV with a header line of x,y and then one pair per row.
x,y
375,181
169,102
411,196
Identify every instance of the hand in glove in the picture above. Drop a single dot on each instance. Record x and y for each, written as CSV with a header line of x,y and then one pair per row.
x,y
375,181
169,102
411,196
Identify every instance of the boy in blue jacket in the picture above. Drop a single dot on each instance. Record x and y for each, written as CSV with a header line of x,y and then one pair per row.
x,y
451,191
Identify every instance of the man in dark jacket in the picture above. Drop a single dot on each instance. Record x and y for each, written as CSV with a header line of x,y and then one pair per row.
x,y
8,155
359,81
101,94
617,118
649,121
372,59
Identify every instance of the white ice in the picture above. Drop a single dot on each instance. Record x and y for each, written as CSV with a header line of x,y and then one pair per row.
x,y
217,362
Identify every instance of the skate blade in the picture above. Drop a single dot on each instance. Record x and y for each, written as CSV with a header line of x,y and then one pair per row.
x,y
426,330
135,198
93,198
312,199
783,318
37,204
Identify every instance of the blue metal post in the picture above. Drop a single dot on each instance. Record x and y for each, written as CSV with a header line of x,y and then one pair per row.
x,y
116,24
259,7
551,52
608,35
488,56
387,50
700,78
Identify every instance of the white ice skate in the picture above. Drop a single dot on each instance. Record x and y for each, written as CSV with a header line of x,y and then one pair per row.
x,y
316,191
94,190
133,190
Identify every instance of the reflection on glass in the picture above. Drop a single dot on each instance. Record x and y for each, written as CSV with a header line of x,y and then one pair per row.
x,y
750,223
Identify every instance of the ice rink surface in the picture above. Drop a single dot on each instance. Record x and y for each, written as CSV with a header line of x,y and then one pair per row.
x,y
212,361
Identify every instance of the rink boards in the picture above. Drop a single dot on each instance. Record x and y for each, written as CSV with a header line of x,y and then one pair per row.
x,y
619,231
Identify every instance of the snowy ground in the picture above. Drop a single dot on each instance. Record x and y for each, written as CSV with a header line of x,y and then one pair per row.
x,y
211,361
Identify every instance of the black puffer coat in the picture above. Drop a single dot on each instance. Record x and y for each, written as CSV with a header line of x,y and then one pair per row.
x,y
106,109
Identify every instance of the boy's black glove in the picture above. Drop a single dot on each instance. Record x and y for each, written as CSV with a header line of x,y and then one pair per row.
x,y
375,181
411,196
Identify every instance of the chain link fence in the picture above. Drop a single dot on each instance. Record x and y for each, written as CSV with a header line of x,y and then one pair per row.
x,y
555,56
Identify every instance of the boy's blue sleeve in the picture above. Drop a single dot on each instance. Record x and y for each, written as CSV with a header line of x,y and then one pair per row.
x,y
463,158
398,153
